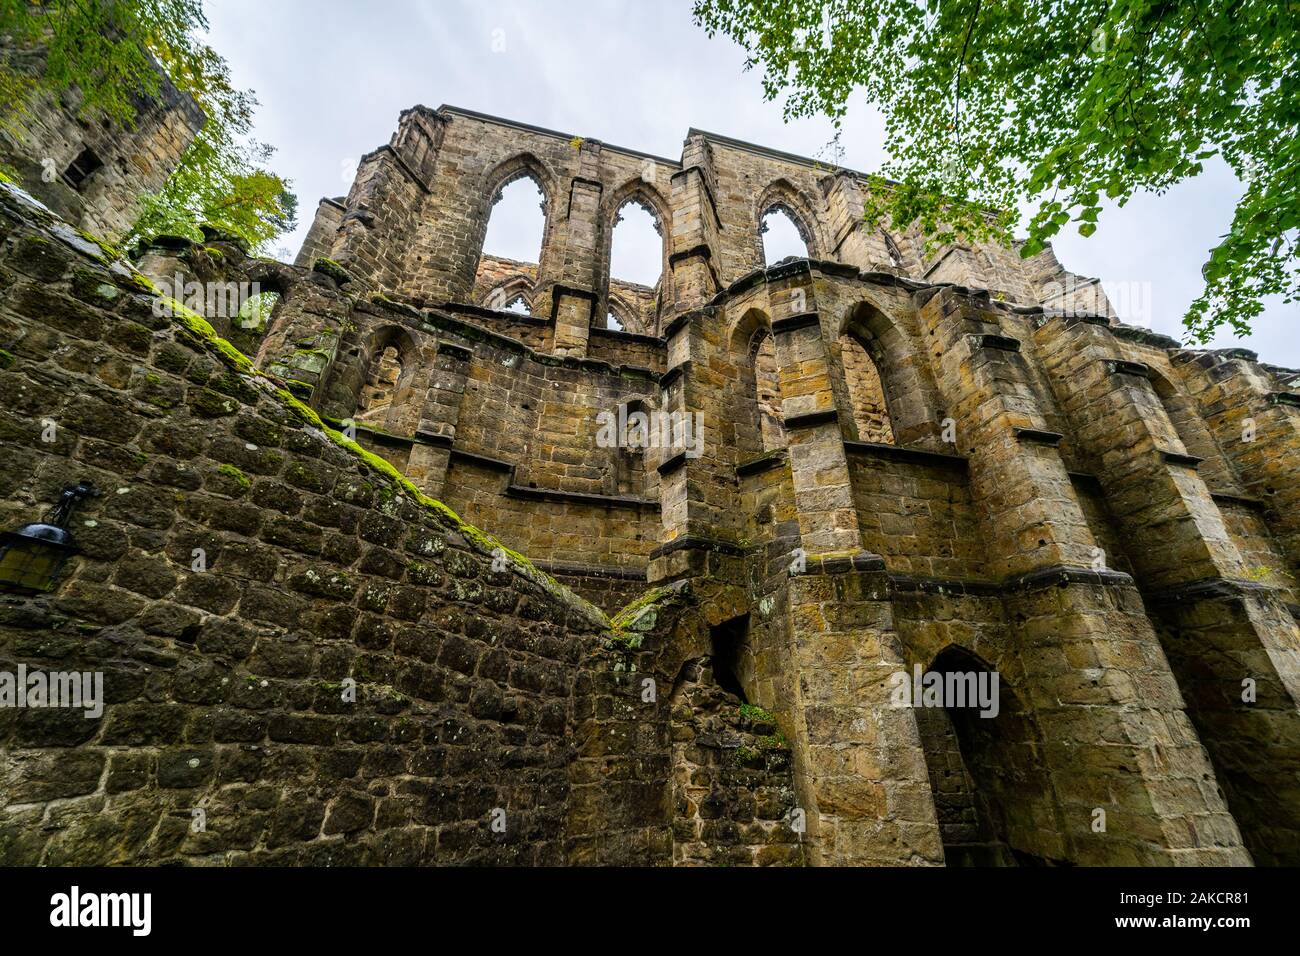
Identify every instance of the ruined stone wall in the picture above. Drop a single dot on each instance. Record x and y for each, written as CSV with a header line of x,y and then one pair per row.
x,y
502,432
325,225
731,787
906,460
415,221
917,513
127,163
942,458
225,686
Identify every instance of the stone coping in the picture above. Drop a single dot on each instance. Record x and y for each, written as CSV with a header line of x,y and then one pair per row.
x,y
579,497
905,453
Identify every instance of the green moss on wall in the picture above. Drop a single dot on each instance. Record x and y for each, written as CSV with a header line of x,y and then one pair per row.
x,y
332,269
233,473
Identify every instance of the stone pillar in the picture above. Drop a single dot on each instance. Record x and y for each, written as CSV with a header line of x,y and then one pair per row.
x,y
696,493
828,517
571,261
695,230
323,233
386,199
853,240
860,772
693,495
1219,630
431,455
1151,483
1032,518
571,310
1256,422
1092,670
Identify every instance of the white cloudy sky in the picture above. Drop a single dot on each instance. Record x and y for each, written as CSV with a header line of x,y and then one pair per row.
x,y
332,76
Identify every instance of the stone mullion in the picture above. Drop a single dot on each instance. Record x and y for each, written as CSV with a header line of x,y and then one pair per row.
x,y
694,236
573,264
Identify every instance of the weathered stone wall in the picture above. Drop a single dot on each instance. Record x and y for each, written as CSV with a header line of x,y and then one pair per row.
x,y
425,239
502,432
732,797
917,513
226,686
906,461
305,661
128,163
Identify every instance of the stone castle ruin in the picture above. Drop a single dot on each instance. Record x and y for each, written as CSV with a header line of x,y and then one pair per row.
x,y
880,461
92,170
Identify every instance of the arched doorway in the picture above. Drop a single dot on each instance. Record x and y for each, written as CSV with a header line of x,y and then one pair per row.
x,y
993,804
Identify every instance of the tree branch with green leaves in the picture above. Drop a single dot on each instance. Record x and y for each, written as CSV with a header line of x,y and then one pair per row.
x,y
1059,106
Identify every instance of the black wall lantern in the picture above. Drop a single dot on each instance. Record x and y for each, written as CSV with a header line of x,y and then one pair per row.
x,y
32,556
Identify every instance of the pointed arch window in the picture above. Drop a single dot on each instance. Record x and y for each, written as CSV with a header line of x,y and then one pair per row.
x,y
516,228
378,392
637,244
390,367
782,236
866,392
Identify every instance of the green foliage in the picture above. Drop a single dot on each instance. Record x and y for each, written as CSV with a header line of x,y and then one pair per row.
x,y
217,185
1059,104
256,311
101,49
105,51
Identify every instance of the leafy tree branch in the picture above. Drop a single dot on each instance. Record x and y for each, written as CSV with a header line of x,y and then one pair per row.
x,y
1061,105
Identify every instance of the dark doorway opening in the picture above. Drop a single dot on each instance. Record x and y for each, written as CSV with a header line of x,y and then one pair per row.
x,y
728,640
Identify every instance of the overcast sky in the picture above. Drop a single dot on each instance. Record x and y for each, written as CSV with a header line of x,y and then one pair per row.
x,y
333,75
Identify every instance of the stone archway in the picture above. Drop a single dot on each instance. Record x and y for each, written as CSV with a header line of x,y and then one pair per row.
x,y
981,751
